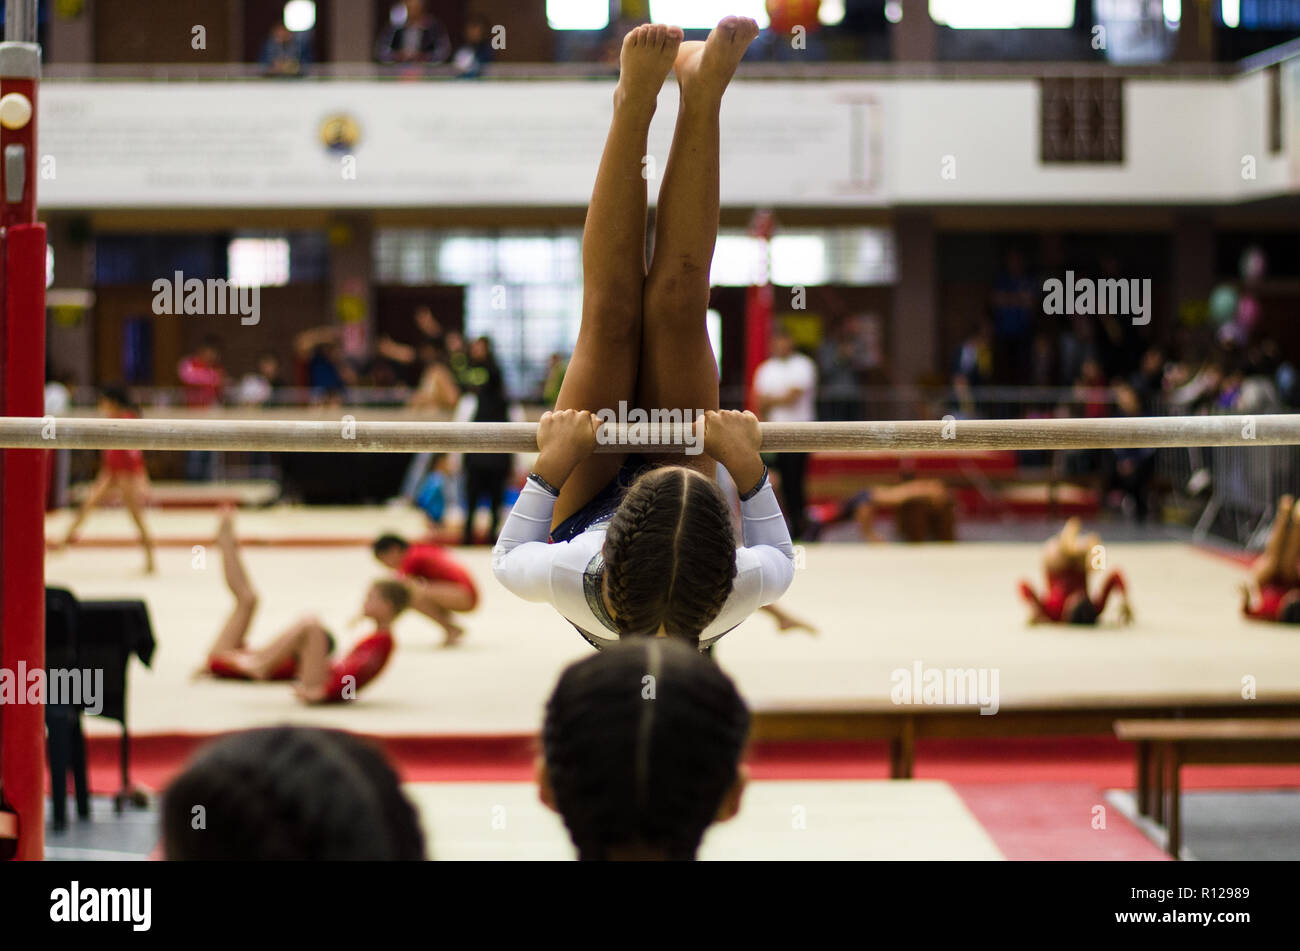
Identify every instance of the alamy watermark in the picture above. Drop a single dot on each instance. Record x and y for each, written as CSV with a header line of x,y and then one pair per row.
x,y
656,427
946,685
58,687
1108,297
177,296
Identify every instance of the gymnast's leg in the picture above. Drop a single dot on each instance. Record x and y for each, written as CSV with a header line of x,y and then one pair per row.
x,y
230,639
677,368
135,490
1268,565
603,369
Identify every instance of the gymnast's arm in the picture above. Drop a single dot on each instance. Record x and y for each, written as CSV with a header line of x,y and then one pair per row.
x,y
767,542
522,558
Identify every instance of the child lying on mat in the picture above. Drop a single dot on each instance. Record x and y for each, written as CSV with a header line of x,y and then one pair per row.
x,y
304,652
1273,593
1067,560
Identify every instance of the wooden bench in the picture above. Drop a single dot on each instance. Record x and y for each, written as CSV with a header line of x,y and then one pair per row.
x,y
902,725
1165,746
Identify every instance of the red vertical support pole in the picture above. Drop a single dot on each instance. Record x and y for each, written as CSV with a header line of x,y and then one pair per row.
x,y
22,376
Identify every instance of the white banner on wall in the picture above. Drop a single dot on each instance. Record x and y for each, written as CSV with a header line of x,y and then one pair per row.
x,y
398,144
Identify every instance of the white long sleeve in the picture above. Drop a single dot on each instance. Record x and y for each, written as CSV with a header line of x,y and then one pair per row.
x,y
767,538
521,557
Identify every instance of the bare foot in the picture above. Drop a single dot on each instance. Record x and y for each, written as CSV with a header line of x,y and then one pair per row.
x,y
645,61
452,633
705,68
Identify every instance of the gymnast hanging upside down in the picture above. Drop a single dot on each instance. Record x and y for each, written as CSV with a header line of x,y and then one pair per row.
x,y
1067,561
1273,592
643,544
303,653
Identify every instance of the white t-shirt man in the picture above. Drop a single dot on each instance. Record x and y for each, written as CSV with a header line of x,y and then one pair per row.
x,y
777,376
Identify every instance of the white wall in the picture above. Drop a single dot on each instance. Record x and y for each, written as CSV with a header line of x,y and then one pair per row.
x,y
255,144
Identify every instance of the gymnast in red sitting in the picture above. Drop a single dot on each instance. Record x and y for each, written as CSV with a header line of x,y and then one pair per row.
x,y
304,652
1273,592
1067,560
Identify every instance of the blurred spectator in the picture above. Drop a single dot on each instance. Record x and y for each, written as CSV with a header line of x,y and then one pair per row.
x,y
432,491
457,358
1258,393
322,367
202,376
1042,359
413,36
1075,347
1090,391
1130,472
838,378
476,51
58,400
285,53
409,362
428,326
258,387
438,389
785,385
1149,382
1015,301
973,367
1091,400
486,472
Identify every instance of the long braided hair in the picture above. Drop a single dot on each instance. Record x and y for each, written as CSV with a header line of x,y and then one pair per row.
x,y
670,554
642,743
289,794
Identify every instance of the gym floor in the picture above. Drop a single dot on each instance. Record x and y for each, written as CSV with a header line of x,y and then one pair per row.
x,y
939,605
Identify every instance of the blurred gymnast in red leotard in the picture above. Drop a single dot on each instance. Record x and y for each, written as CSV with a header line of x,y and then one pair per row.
x,y
1273,592
304,653
439,585
121,471
1067,560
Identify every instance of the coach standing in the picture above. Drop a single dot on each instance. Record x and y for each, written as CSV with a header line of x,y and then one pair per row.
x,y
785,387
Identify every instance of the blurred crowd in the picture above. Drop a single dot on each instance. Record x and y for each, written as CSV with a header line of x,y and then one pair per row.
x,y
434,371
412,37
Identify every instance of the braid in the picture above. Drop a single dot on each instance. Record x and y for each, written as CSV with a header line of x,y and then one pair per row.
x,y
642,743
670,555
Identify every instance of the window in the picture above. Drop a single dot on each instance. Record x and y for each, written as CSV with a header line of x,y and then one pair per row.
x,y
258,262
1003,14
705,14
523,288
299,15
577,14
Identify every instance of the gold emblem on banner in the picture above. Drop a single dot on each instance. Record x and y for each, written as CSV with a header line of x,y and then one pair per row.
x,y
340,133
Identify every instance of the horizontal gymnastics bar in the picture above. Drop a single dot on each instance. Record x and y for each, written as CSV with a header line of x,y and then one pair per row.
x,y
348,435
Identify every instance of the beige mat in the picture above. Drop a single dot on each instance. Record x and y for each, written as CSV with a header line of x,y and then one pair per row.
x,y
830,819
879,609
